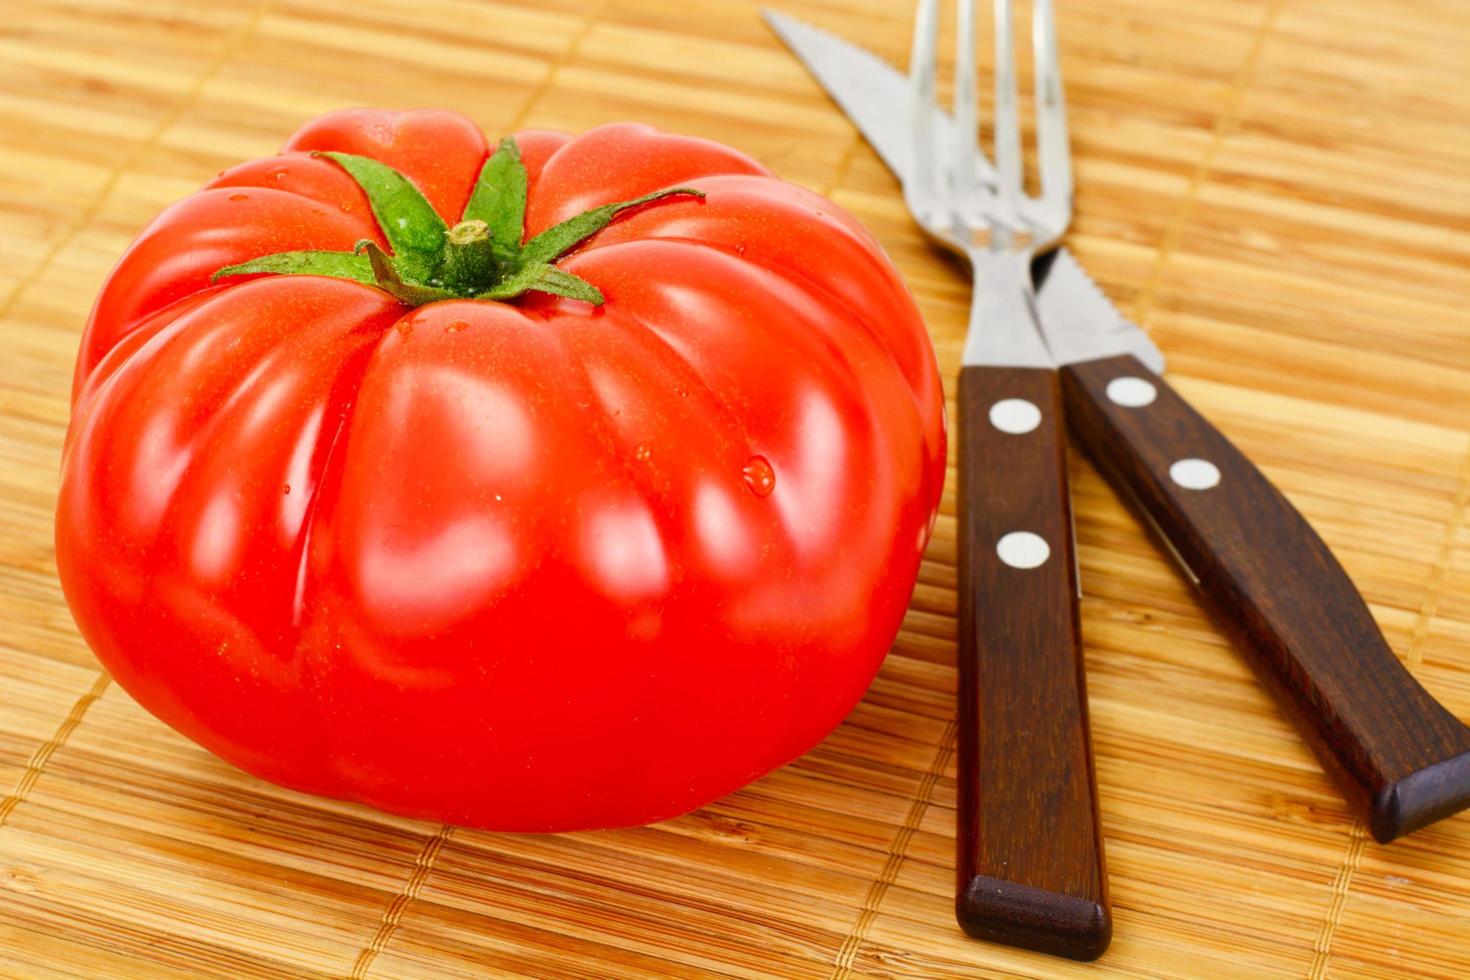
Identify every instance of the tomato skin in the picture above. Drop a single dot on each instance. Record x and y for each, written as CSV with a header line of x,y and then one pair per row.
x,y
500,564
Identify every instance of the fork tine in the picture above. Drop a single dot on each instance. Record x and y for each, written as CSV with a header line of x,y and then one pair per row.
x,y
1053,152
921,85
1007,121
966,111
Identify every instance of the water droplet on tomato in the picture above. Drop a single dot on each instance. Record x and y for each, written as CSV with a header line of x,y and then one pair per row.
x,y
455,326
345,205
740,249
404,327
285,488
759,476
279,173
641,452
239,197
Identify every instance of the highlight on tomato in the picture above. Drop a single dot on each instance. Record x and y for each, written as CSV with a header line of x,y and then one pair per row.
x,y
569,482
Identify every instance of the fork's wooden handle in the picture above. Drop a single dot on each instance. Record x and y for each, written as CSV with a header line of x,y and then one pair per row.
x,y
1030,868
1403,761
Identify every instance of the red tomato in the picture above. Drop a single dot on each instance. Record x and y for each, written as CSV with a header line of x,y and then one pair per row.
x,y
527,565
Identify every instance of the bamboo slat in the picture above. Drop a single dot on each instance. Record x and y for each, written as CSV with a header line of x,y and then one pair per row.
x,y
1275,188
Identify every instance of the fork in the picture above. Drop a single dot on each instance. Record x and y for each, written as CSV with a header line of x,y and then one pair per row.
x,y
1030,863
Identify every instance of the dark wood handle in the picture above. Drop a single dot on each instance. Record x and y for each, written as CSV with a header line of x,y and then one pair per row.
x,y
1403,761
1030,868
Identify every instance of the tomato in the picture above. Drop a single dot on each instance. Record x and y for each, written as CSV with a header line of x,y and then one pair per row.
x,y
380,527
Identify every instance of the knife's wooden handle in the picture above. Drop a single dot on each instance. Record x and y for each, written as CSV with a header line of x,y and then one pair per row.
x,y
1030,868
1403,761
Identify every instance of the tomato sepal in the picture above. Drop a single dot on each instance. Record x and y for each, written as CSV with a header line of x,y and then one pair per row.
x,y
499,200
337,265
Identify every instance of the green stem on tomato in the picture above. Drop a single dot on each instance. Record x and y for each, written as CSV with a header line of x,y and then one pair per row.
x,y
480,257
469,255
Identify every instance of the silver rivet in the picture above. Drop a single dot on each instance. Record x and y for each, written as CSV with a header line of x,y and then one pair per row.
x,y
1015,415
1131,392
1194,474
1022,549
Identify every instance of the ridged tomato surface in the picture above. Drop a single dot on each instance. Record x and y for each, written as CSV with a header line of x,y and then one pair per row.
x,y
534,565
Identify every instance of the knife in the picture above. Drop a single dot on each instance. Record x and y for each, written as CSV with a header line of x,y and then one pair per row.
x,y
1401,759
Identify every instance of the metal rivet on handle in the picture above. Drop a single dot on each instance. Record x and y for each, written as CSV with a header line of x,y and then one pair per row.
x,y
1131,392
1015,415
1022,549
1194,474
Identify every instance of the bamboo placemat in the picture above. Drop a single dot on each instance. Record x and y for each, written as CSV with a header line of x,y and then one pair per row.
x,y
1276,188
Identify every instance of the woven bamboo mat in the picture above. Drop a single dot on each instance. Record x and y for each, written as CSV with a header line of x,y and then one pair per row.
x,y
1276,188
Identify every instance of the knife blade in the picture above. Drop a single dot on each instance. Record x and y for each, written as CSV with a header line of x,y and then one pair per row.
x,y
870,92
1080,323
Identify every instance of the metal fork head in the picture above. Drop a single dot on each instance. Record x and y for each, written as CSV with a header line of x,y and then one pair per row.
x,y
953,191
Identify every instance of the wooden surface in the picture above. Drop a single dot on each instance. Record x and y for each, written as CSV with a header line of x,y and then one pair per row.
x,y
1276,188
